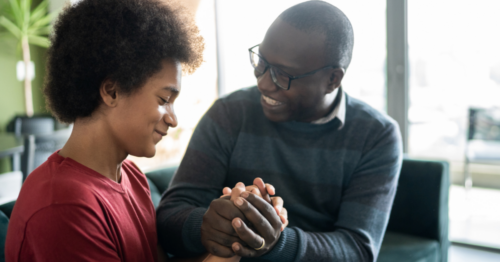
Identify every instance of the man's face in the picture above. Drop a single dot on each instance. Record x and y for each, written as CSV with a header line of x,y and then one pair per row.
x,y
296,53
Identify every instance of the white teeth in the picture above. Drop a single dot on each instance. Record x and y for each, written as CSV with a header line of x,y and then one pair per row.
x,y
271,101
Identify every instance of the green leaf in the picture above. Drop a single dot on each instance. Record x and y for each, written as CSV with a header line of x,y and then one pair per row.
x,y
43,21
9,25
16,11
39,40
39,11
45,30
26,9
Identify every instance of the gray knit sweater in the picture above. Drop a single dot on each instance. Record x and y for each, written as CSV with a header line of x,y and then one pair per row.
x,y
338,185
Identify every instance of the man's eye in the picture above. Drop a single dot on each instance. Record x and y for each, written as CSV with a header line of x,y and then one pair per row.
x,y
281,73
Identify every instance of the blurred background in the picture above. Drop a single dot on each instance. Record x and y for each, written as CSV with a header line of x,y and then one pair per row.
x,y
435,68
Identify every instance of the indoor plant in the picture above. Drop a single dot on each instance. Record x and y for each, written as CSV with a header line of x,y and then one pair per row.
x,y
30,26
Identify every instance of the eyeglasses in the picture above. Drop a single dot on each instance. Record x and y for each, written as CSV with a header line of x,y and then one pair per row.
x,y
282,79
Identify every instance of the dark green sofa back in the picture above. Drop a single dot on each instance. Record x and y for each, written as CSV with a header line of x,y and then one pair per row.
x,y
5,211
158,182
421,203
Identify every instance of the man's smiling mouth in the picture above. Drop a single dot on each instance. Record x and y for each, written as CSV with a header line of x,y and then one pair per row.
x,y
271,101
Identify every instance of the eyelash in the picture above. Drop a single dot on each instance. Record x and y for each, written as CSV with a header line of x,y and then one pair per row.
x,y
164,101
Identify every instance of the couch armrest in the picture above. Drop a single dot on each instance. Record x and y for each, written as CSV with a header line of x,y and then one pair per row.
x,y
421,203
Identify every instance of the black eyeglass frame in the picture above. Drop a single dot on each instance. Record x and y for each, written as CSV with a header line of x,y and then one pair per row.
x,y
273,77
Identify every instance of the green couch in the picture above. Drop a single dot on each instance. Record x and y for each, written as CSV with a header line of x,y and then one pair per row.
x,y
5,211
418,225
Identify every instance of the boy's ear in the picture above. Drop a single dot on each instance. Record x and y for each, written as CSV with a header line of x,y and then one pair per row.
x,y
108,91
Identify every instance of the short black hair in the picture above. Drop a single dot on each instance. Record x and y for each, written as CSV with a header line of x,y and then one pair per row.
x,y
121,40
324,18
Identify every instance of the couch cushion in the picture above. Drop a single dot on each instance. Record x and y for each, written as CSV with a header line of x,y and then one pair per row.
x,y
7,208
161,177
400,247
4,222
155,194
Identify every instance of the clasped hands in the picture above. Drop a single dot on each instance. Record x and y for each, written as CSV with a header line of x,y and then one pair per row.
x,y
244,222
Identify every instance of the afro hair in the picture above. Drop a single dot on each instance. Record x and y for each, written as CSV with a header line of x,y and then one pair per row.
x,y
121,40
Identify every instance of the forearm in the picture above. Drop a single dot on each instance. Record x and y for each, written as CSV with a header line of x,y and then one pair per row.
x,y
205,258
178,225
298,245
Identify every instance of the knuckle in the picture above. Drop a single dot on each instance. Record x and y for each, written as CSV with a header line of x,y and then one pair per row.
x,y
251,254
226,242
214,250
261,221
269,209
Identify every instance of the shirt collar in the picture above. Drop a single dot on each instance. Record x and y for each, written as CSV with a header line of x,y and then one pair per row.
x,y
338,112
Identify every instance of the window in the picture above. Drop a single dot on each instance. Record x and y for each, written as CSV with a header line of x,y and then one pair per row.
x,y
454,60
198,92
243,24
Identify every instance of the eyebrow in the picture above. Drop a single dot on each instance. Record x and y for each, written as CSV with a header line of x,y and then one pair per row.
x,y
171,89
278,65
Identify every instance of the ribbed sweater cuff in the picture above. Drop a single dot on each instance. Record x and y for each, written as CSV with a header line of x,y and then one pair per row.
x,y
191,231
286,248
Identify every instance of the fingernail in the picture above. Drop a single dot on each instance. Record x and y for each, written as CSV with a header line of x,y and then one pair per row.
x,y
236,247
240,184
237,223
244,194
239,201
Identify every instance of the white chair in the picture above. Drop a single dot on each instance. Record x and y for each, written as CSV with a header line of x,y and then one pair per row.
x,y
10,186
483,140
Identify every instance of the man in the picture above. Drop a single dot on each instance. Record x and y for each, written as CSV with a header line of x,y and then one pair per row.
x,y
333,159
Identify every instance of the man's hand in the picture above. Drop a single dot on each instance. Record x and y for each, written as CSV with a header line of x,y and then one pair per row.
x,y
217,232
266,223
263,190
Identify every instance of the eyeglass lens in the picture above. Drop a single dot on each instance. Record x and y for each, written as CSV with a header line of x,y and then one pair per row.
x,y
260,66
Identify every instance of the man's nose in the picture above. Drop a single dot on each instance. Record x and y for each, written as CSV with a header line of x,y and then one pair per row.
x,y
169,117
265,82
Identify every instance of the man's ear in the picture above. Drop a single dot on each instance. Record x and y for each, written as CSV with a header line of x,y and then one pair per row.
x,y
109,92
335,80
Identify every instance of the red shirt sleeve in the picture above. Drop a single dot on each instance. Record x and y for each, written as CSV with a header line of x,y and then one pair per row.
x,y
67,233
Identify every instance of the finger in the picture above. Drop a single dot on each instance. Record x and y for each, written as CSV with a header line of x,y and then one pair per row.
x,y
241,251
262,188
240,187
225,208
263,207
220,224
226,191
277,203
284,215
219,250
220,214
284,218
253,189
261,224
270,189
246,234
223,238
